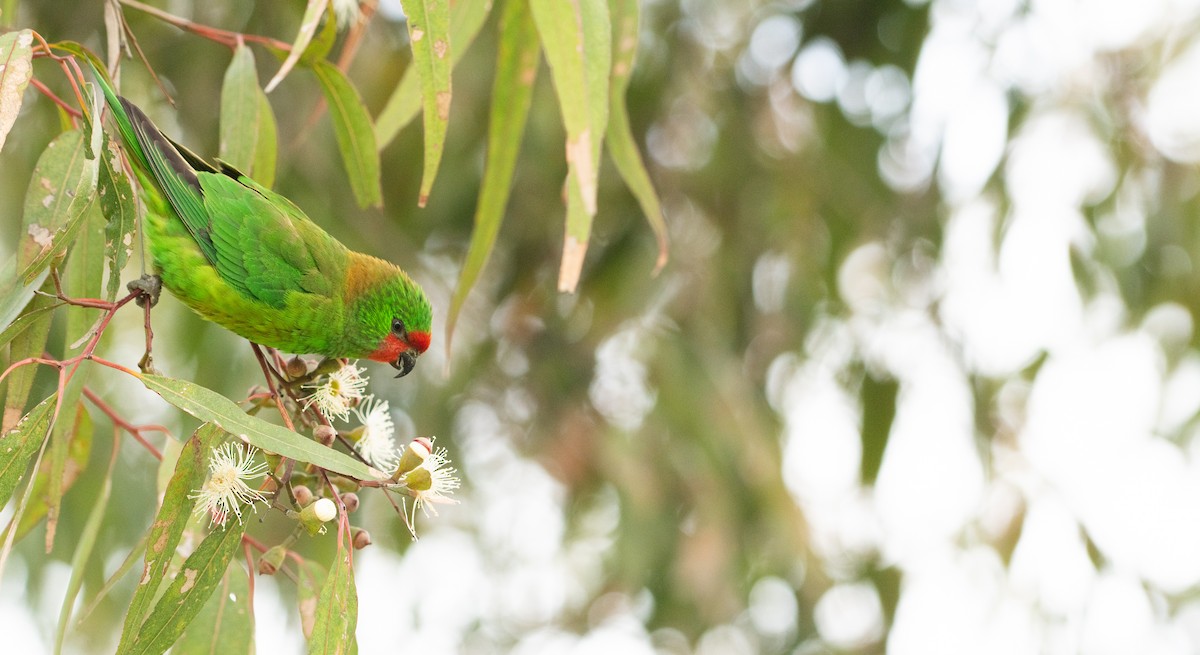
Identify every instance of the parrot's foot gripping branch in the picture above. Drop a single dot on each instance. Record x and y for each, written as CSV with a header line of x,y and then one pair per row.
x,y
150,287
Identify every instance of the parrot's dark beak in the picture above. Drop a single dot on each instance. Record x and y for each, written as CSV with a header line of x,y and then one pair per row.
x,y
405,362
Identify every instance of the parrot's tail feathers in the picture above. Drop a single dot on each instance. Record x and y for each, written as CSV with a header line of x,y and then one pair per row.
x,y
163,156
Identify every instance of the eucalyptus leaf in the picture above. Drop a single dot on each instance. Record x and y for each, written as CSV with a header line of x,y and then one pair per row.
x,y
466,19
208,405
19,444
337,610
249,136
354,133
429,33
167,529
16,57
512,92
188,592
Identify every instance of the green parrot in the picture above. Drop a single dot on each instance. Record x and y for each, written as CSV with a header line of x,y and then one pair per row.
x,y
250,260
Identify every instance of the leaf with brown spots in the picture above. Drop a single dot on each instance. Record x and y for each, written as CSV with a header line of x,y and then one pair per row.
x,y
226,624
577,39
337,610
466,19
169,524
429,31
200,575
15,72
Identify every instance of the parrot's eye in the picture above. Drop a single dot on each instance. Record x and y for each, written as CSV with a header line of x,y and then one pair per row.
x,y
398,327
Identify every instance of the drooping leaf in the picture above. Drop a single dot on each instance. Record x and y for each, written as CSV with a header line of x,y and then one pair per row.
x,y
188,592
248,133
308,591
308,26
169,523
429,33
466,19
62,188
577,40
83,550
135,554
19,444
15,73
77,459
29,342
208,405
621,145
25,321
337,610
879,411
516,70
85,274
120,207
226,622
14,294
355,136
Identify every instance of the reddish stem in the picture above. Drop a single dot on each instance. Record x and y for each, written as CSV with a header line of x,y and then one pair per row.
x,y
134,430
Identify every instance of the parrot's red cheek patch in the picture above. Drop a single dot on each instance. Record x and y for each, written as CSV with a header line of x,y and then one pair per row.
x,y
389,350
419,341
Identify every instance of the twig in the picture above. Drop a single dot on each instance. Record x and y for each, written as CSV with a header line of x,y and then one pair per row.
x,y
134,430
224,37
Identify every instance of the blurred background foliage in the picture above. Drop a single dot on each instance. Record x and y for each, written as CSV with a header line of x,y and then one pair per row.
x,y
896,228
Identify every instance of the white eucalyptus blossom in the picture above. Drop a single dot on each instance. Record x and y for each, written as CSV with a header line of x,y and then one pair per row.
x,y
225,490
376,441
338,391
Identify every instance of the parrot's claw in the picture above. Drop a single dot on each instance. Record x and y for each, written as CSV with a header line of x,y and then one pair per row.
x,y
150,286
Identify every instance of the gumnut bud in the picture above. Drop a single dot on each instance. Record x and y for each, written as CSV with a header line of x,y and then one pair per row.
x,y
296,368
271,560
350,500
415,453
303,494
314,516
361,538
324,435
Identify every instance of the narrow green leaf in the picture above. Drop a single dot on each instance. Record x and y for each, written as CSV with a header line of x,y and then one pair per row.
x,y
621,145
466,19
77,459
15,72
577,39
516,70
29,342
168,526
323,41
308,591
337,610
189,590
308,27
134,555
19,444
120,208
248,133
879,411
62,188
15,295
85,274
429,33
24,322
208,405
226,623
355,136
83,550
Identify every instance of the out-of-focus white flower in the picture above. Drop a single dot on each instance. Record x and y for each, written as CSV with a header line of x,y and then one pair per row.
x,y
347,13
376,440
338,392
226,490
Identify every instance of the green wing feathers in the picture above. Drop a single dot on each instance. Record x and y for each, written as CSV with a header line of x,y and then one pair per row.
x,y
260,243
